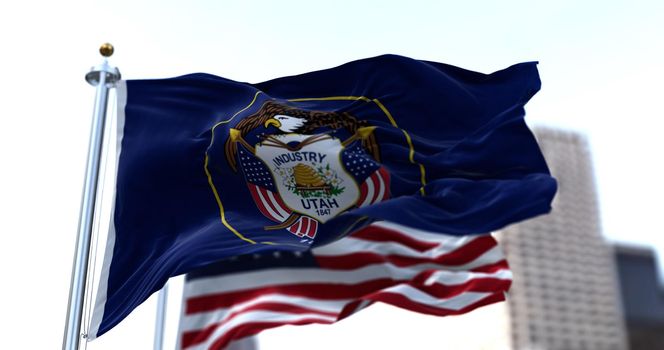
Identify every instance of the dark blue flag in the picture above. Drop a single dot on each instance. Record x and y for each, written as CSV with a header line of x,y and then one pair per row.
x,y
211,168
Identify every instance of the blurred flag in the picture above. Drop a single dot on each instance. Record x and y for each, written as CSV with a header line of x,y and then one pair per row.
x,y
420,271
211,168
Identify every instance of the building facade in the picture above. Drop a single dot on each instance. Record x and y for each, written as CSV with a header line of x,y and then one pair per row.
x,y
642,296
565,293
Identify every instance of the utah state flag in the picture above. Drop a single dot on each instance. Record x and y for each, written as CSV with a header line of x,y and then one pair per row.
x,y
211,168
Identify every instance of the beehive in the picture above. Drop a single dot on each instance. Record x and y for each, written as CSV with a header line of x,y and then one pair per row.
x,y
306,176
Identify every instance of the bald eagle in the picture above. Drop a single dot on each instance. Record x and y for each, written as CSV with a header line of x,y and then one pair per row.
x,y
292,120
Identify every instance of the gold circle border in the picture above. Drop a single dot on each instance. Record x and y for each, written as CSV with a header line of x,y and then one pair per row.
x,y
222,214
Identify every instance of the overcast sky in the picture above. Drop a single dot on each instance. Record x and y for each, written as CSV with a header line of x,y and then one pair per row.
x,y
601,64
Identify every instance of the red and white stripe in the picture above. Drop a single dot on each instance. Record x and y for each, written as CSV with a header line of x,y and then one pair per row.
x,y
304,227
270,204
273,207
421,271
376,188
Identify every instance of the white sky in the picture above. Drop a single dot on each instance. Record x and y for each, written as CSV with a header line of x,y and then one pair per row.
x,y
601,64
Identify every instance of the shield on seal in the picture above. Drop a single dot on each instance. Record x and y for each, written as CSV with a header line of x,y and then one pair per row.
x,y
309,174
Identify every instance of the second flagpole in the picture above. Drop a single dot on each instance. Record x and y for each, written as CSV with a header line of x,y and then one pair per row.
x,y
160,322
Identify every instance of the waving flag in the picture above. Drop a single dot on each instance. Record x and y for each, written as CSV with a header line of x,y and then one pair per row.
x,y
415,270
211,168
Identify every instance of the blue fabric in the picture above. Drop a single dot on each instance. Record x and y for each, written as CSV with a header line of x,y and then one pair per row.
x,y
457,157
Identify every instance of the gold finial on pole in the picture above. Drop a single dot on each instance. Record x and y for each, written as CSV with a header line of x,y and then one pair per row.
x,y
112,74
106,50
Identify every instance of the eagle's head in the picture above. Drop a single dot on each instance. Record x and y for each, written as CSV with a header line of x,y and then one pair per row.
x,y
286,123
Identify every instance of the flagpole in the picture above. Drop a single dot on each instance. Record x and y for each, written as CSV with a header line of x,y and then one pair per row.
x,y
160,322
103,77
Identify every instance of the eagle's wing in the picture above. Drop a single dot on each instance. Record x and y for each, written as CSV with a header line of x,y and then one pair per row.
x,y
241,130
345,121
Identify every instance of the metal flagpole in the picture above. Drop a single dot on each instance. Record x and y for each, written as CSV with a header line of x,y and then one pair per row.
x,y
160,322
103,77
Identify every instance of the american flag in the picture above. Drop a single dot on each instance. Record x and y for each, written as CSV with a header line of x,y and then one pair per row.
x,y
374,178
375,188
420,271
267,199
